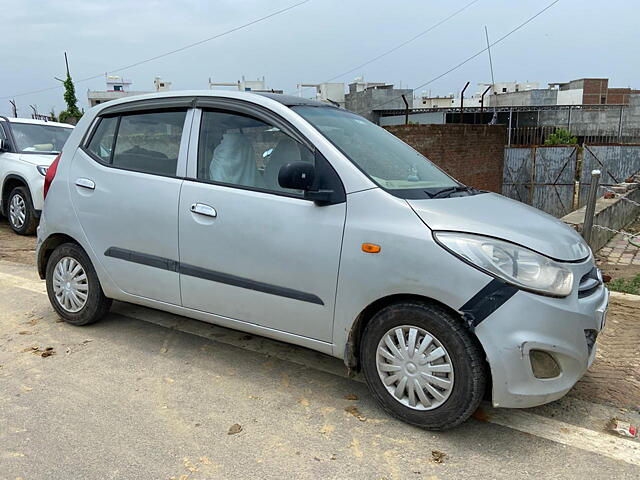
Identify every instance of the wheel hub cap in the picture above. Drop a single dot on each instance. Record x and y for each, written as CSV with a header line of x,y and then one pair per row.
x,y
17,211
70,284
414,367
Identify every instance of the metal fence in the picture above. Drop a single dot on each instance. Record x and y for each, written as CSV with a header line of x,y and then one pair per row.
x,y
556,179
543,177
531,135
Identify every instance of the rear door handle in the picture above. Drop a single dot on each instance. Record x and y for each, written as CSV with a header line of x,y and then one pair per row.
x,y
86,183
203,209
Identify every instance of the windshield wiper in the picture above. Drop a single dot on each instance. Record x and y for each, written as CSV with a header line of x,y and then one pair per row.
x,y
447,192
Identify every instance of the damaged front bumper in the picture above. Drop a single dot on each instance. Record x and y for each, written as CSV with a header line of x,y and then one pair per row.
x,y
538,347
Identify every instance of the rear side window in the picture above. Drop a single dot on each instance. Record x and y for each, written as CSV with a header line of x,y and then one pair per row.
x,y
144,142
149,142
102,141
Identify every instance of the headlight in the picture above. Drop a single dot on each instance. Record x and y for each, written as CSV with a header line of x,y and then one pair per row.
x,y
42,169
513,264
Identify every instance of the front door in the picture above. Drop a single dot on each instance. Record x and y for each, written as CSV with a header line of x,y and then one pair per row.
x,y
250,250
125,190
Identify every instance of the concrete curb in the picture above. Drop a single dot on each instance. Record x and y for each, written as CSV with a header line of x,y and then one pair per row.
x,y
625,296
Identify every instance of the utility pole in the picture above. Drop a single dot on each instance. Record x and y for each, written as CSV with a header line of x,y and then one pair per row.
x,y
66,62
13,107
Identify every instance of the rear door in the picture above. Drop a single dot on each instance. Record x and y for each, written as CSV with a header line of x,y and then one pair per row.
x,y
250,250
125,186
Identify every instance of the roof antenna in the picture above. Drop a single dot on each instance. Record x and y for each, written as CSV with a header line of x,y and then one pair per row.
x,y
494,119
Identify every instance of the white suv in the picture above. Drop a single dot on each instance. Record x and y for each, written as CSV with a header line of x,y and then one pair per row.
x,y
27,148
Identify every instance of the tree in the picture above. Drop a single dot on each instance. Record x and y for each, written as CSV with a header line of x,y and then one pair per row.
x,y
561,137
72,114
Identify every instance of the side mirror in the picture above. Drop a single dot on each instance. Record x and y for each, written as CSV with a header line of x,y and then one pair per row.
x,y
4,145
297,176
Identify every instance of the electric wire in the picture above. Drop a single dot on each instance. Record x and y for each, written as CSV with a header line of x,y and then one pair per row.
x,y
480,52
400,45
171,52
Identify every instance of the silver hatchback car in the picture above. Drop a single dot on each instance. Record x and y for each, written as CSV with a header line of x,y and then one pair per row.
x,y
306,223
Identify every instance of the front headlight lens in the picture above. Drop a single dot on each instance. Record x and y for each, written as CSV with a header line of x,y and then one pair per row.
x,y
512,263
42,169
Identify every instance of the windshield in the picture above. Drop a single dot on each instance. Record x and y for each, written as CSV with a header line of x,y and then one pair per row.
x,y
386,159
32,137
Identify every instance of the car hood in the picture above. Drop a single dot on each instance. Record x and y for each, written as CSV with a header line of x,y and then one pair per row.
x,y
497,216
38,158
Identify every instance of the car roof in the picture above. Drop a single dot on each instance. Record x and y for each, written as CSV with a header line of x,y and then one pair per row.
x,y
290,100
287,100
36,122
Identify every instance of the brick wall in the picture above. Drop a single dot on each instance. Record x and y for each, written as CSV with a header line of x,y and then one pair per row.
x,y
472,154
594,91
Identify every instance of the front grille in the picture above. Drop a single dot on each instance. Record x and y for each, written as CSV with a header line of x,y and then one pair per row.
x,y
589,283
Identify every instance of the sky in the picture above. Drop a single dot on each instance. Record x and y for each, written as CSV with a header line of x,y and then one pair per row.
x,y
309,44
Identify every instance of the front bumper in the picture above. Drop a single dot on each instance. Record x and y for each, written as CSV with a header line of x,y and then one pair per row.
x,y
556,326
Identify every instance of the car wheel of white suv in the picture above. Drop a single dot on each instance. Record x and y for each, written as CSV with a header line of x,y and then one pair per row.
x,y
423,365
20,212
73,286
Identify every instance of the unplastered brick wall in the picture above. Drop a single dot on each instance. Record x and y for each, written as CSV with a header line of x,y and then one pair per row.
x,y
473,154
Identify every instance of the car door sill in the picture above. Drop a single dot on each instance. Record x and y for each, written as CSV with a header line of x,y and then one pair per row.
x,y
314,344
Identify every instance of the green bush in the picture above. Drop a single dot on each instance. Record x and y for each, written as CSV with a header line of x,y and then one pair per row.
x,y
561,137
628,285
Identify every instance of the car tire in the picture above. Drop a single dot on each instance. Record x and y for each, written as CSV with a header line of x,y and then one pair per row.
x,y
73,286
440,399
20,212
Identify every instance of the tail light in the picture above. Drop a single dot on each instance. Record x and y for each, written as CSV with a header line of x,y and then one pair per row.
x,y
51,173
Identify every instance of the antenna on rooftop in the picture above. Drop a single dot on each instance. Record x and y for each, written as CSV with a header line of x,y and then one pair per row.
x,y
493,81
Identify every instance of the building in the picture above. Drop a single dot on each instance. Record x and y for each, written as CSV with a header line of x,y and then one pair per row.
x,y
446,102
592,91
584,91
499,88
244,85
118,87
160,85
488,89
326,92
367,98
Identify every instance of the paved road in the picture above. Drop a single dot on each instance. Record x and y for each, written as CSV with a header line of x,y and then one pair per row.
x,y
148,395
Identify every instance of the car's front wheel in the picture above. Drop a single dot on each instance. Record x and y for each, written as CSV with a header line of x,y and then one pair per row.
x,y
20,211
423,365
73,286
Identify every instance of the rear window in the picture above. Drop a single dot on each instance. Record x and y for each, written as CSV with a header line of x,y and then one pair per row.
x,y
144,142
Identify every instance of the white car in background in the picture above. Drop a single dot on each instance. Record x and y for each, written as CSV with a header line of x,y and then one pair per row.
x,y
27,149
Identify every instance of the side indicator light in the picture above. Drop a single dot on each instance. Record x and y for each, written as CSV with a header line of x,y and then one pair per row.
x,y
371,248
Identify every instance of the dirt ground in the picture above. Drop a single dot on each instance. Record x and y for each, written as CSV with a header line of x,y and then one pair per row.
x,y
614,377
16,248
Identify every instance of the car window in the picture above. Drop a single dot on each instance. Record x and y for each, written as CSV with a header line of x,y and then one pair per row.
x,y
32,137
240,150
102,140
149,142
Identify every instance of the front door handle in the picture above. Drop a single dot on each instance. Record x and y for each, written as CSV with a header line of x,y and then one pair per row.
x,y
203,209
86,183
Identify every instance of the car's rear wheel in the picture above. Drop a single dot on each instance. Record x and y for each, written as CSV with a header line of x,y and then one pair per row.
x,y
20,212
423,365
73,286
